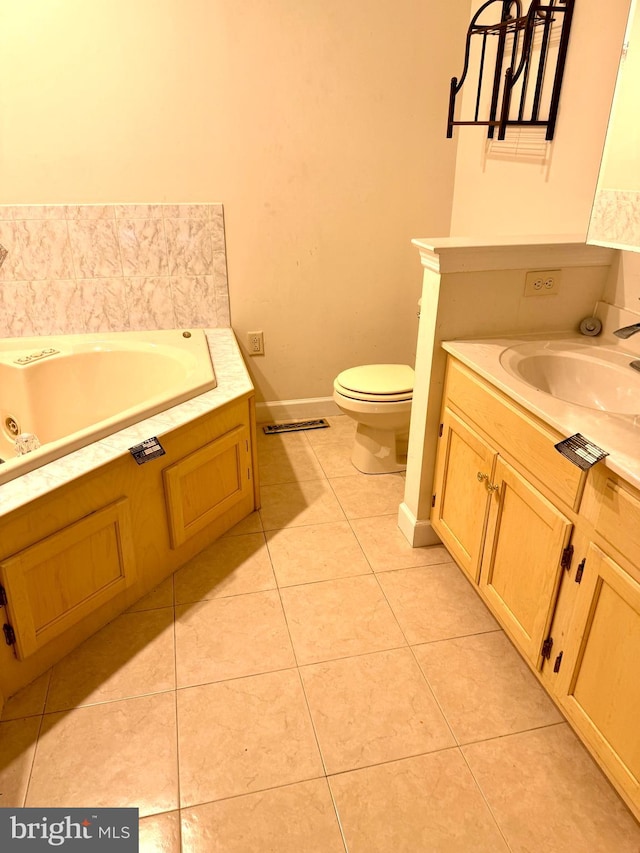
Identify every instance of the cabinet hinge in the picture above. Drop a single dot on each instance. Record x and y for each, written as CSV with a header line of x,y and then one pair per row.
x,y
580,570
546,648
567,556
558,661
9,634
3,596
433,500
441,430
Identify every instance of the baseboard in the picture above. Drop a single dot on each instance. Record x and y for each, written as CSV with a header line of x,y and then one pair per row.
x,y
418,532
292,410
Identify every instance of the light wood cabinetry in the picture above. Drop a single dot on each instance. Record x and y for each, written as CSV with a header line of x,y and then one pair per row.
x,y
598,683
54,583
522,559
460,503
77,557
505,534
556,557
207,482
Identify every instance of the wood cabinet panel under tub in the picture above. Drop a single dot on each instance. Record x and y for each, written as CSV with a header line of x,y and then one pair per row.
x,y
206,483
54,583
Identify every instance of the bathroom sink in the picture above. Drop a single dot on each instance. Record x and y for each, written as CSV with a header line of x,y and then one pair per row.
x,y
590,376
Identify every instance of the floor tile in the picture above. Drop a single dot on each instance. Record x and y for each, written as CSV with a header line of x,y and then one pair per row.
x,y
230,566
29,701
435,603
386,547
547,794
161,596
290,819
335,458
287,458
373,708
341,429
17,748
315,552
231,637
428,803
110,755
160,833
244,735
364,495
295,504
251,524
131,656
339,618
484,687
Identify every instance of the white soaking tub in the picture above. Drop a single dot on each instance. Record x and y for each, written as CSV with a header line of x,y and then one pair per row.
x,y
72,390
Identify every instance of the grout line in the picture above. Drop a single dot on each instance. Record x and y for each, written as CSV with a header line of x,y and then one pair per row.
x,y
486,801
37,739
175,705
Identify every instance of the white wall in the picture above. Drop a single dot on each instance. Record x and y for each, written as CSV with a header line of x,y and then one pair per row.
x,y
320,125
501,193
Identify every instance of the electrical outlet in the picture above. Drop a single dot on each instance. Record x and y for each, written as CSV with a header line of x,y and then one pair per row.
x,y
542,283
255,342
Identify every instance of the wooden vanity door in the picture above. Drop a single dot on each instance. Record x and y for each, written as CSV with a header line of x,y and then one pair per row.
x,y
598,683
521,565
460,505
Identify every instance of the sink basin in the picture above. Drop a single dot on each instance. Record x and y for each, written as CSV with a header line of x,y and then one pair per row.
x,y
590,376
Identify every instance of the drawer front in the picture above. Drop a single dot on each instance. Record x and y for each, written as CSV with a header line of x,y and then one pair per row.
x,y
529,443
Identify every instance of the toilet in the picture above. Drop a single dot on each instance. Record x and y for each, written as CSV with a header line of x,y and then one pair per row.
x,y
378,397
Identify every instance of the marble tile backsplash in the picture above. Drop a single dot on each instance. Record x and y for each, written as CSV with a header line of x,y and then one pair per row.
x,y
615,218
106,268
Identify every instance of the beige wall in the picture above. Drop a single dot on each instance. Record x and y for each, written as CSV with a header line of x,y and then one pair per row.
x,y
318,124
498,193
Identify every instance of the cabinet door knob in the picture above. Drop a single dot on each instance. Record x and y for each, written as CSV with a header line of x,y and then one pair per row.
x,y
492,487
482,476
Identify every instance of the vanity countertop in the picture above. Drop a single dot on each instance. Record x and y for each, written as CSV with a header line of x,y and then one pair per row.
x,y
618,435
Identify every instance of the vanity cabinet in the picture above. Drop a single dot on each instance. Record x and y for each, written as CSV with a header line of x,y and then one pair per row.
x,y
555,554
508,537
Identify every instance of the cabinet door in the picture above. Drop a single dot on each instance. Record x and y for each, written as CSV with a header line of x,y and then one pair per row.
x,y
53,584
463,468
598,683
521,567
207,483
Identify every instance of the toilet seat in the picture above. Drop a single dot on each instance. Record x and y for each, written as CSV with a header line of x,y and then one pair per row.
x,y
379,383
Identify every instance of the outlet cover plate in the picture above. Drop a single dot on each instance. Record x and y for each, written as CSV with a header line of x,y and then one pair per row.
x,y
542,283
255,343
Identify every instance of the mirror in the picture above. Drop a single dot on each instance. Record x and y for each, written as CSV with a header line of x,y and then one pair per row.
x,y
615,217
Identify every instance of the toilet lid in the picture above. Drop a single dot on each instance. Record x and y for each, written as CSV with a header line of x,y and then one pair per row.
x,y
378,379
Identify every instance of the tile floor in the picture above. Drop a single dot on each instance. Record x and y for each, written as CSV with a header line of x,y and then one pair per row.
x,y
311,684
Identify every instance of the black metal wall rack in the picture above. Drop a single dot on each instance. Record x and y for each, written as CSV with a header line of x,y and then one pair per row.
x,y
522,58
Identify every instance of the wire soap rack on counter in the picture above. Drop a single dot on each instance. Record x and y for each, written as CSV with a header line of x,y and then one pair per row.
x,y
518,62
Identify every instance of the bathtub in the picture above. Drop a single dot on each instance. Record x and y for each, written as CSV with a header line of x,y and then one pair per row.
x,y
73,390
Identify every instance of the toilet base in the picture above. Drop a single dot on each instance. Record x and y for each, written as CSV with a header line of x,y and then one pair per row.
x,y
379,451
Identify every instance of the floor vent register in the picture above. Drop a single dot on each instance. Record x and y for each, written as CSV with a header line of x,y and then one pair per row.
x,y
294,426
